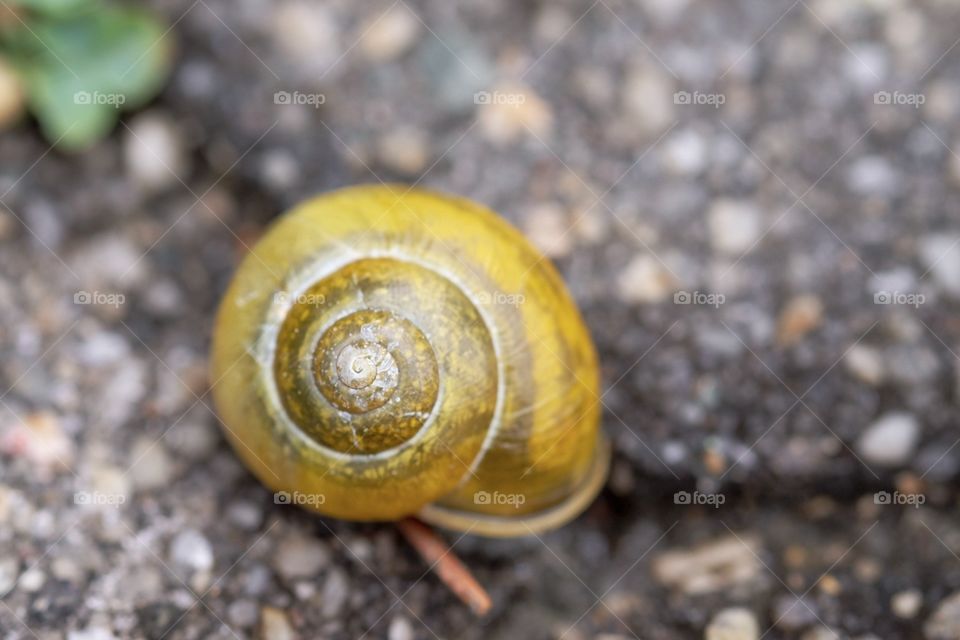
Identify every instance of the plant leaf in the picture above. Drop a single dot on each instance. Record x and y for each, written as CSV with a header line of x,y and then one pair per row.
x,y
80,72
55,7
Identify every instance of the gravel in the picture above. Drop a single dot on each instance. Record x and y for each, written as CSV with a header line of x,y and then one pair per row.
x,y
763,246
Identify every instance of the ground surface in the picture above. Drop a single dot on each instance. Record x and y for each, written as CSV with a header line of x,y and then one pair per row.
x,y
754,203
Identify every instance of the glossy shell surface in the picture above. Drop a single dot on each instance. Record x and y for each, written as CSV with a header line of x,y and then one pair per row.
x,y
384,352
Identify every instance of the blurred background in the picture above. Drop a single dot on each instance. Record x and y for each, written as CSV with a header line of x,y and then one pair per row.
x,y
754,202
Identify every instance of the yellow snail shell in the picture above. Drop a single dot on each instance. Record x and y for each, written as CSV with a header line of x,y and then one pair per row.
x,y
384,352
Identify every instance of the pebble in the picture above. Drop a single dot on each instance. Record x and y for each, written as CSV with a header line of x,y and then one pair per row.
x,y
792,613
280,169
154,152
92,633
405,150
306,33
102,348
944,623
39,438
336,590
109,261
109,480
890,440
151,466
400,629
940,254
865,363
512,112
648,99
548,227
274,625
243,613
11,96
873,176
735,623
32,580
9,571
906,604
387,36
821,633
715,566
191,550
645,280
195,437
246,515
734,226
299,556
801,315
685,153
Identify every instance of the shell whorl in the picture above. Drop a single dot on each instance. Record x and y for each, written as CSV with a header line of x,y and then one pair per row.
x,y
365,355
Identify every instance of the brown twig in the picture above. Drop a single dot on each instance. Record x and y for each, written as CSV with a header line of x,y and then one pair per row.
x,y
445,563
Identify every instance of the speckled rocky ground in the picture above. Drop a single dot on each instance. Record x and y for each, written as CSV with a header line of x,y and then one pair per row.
x,y
754,202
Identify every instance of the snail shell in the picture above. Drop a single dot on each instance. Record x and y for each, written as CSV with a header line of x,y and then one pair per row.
x,y
385,352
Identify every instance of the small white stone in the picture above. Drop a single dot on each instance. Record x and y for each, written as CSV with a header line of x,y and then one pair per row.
x,y
733,624
91,633
154,152
400,629
307,33
686,153
866,363
299,556
645,280
512,111
906,604
191,550
242,613
648,99
151,465
109,263
890,440
941,255
873,176
405,150
336,590
32,580
549,229
9,570
734,226
387,36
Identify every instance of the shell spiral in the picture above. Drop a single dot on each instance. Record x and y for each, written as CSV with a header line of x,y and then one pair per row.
x,y
385,352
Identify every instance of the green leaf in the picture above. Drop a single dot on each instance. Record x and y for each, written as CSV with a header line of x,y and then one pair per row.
x,y
80,72
55,7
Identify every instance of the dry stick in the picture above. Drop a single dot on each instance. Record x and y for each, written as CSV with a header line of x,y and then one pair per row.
x,y
445,563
